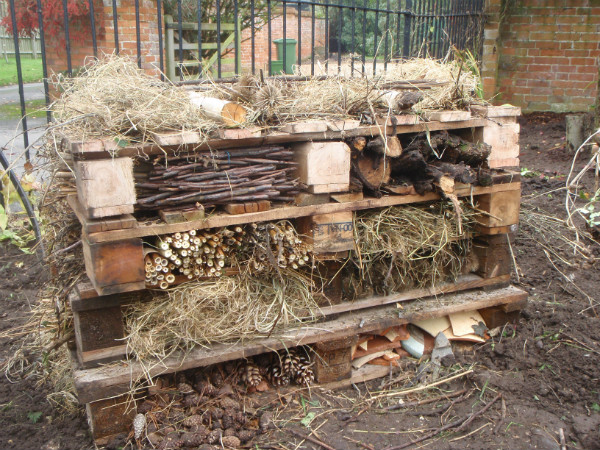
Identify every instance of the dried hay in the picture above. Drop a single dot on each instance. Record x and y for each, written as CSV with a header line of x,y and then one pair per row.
x,y
113,97
222,310
457,88
409,246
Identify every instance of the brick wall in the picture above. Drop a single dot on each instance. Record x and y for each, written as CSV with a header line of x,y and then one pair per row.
x,y
542,55
56,55
261,37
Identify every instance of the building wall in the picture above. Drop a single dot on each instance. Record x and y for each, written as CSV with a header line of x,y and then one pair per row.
x,y
542,55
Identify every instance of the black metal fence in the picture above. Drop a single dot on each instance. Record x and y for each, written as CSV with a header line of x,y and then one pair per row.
x,y
360,36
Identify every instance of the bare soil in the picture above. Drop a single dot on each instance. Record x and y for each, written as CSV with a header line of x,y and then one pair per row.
x,y
546,367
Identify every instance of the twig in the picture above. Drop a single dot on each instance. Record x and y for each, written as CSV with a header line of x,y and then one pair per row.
x,y
311,439
563,443
427,400
460,423
422,388
362,444
57,343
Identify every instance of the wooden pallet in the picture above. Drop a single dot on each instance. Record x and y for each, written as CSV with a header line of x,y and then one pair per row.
x,y
105,388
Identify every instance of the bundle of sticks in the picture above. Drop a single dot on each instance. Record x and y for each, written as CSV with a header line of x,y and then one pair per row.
x,y
193,254
218,177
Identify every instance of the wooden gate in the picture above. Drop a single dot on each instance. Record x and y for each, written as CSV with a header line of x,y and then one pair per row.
x,y
177,67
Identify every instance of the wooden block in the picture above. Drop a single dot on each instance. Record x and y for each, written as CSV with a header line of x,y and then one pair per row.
x,y
95,146
105,187
306,127
347,197
496,111
343,124
183,215
109,417
330,272
507,162
239,133
447,116
502,134
248,207
325,188
323,163
85,298
99,335
118,264
493,254
503,208
495,316
333,360
176,138
121,222
305,199
402,119
328,232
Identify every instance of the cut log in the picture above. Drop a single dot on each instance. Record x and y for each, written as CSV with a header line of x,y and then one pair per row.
x,y
372,170
358,143
400,100
229,113
393,149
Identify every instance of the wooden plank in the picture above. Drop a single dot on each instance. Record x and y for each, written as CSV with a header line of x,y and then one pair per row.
x,y
447,116
248,207
104,224
290,212
365,373
116,263
343,124
493,254
326,188
105,187
323,164
182,215
239,133
307,199
463,283
108,148
94,358
333,361
400,119
502,134
84,302
93,384
496,111
347,197
176,138
305,127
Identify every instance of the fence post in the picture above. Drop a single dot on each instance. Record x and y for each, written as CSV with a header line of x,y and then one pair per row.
x,y
33,50
169,50
407,27
238,47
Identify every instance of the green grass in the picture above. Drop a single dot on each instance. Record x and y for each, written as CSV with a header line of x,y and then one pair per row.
x,y
34,108
31,69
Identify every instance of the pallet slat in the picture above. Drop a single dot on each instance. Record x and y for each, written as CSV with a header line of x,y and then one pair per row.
x,y
289,212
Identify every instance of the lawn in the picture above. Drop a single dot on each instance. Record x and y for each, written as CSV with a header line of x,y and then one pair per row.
x,y
35,109
31,69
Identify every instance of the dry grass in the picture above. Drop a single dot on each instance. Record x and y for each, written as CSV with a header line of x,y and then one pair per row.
x,y
456,92
225,309
113,97
409,246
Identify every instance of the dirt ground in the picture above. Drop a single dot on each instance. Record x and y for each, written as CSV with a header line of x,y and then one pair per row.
x,y
546,367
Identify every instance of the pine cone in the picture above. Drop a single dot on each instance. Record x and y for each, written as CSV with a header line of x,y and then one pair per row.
x,y
214,436
304,376
185,388
250,374
276,376
139,425
246,435
192,420
231,442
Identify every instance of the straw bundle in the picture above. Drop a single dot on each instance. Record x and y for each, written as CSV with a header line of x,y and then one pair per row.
x,y
113,97
457,84
220,310
402,247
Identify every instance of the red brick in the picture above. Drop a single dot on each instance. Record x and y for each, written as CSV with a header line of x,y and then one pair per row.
x,y
582,77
